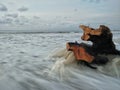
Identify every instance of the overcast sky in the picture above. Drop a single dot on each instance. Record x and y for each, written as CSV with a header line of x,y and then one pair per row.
x,y
58,15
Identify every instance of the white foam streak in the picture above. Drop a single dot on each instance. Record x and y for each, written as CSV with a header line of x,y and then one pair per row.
x,y
41,62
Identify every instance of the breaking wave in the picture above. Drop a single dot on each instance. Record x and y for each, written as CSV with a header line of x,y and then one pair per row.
x,y
83,78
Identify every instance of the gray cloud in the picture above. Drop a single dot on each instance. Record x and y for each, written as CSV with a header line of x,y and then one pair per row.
x,y
36,17
75,10
21,20
23,9
14,19
14,15
8,18
95,1
6,21
3,7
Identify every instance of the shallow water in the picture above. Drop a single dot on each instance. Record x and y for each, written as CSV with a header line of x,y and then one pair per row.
x,y
38,62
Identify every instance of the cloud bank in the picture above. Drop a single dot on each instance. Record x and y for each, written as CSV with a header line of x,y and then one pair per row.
x,y
13,15
58,15
23,9
3,7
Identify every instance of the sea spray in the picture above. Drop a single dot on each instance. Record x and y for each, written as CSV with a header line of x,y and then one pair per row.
x,y
22,71
58,69
65,58
111,68
116,66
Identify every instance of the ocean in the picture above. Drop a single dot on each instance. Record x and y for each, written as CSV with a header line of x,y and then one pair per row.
x,y
39,61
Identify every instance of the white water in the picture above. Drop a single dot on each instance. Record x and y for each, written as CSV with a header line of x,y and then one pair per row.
x,y
40,62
